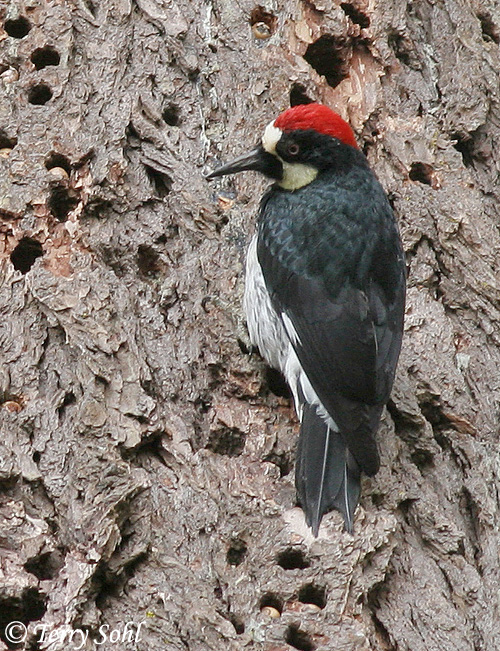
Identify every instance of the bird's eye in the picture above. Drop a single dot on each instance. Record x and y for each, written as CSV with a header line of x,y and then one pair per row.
x,y
293,149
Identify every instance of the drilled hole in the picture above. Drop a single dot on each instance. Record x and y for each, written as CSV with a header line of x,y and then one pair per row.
x,y
148,261
238,623
26,252
402,48
422,172
6,142
39,94
282,460
229,441
330,56
271,600
313,594
489,29
276,383
263,22
355,14
45,56
45,566
299,639
58,160
17,27
161,182
465,145
61,202
292,559
298,95
170,115
236,552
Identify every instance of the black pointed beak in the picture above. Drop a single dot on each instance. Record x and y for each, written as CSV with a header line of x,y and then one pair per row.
x,y
258,160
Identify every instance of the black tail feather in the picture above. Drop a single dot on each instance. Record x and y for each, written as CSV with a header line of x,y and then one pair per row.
x,y
327,476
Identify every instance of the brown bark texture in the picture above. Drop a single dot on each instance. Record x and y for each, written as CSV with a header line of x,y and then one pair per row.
x,y
146,459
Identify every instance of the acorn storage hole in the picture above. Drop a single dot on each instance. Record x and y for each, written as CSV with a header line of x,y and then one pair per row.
x,y
17,27
26,252
298,95
6,142
292,559
236,552
39,95
299,639
271,600
58,160
422,172
263,22
330,56
357,16
312,594
61,202
170,115
45,56
488,27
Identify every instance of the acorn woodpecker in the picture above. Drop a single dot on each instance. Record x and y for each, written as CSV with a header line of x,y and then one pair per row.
x,y
324,297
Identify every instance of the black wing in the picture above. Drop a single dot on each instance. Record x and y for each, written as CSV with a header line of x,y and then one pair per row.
x,y
345,303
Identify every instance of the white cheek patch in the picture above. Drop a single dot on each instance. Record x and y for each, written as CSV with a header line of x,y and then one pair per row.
x,y
271,137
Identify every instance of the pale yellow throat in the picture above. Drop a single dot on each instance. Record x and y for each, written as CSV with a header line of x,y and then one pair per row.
x,y
295,175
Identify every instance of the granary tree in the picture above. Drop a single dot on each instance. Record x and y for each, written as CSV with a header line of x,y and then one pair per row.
x,y
146,458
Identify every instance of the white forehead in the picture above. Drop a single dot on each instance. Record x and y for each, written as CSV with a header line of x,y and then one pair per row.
x,y
271,137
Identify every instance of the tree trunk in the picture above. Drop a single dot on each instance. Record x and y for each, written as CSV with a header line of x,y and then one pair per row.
x,y
146,459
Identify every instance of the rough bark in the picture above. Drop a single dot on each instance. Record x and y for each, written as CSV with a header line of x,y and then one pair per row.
x,y
146,460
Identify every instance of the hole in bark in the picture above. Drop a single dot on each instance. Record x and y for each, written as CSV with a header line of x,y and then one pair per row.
x,y
292,559
329,56
161,182
6,142
170,115
401,47
29,607
61,202
69,399
263,22
276,383
273,601
45,566
313,594
17,27
421,172
490,30
39,94
45,56
148,260
465,145
229,441
26,252
236,552
298,95
355,14
237,622
58,160
36,456
298,638
281,460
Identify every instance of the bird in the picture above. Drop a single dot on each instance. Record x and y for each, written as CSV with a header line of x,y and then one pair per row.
x,y
325,297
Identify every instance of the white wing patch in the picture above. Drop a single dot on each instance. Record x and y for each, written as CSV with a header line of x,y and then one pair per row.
x,y
290,329
274,336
